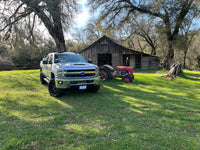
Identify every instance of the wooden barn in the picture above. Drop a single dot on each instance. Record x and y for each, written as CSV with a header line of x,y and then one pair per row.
x,y
108,51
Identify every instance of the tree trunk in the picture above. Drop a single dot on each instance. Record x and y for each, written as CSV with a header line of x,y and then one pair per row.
x,y
153,51
141,49
53,24
198,59
58,37
60,43
170,56
57,32
184,59
175,69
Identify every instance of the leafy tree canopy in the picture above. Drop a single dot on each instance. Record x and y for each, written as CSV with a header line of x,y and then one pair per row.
x,y
171,15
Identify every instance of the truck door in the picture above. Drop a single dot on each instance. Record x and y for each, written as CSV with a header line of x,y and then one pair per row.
x,y
49,65
44,68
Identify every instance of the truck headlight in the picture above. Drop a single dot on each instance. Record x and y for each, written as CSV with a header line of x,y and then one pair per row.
x,y
60,75
60,71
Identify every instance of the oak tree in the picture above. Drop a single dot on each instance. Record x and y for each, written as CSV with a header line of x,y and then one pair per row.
x,y
170,14
56,15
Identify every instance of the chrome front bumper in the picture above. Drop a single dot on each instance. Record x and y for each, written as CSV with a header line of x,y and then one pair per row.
x,y
64,83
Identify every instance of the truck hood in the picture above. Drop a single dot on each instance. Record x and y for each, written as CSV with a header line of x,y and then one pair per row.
x,y
66,66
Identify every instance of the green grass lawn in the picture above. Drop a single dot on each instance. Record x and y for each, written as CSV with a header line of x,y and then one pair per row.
x,y
158,71
151,113
192,73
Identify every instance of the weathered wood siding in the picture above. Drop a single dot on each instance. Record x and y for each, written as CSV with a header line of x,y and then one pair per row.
x,y
106,45
145,62
149,62
154,63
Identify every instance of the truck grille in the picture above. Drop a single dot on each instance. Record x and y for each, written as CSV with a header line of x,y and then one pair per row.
x,y
80,75
85,70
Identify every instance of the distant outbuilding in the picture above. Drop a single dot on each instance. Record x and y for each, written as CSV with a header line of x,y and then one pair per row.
x,y
108,51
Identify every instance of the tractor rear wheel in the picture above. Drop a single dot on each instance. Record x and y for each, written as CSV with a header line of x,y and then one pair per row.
x,y
127,79
104,74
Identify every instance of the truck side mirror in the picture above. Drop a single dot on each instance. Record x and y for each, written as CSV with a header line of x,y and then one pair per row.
x,y
89,60
44,60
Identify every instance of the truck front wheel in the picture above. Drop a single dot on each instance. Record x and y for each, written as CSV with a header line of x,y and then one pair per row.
x,y
53,91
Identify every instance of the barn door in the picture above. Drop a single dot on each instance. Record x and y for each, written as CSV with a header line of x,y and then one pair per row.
x,y
138,61
104,59
126,60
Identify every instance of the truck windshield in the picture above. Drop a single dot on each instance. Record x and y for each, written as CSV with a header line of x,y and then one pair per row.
x,y
69,58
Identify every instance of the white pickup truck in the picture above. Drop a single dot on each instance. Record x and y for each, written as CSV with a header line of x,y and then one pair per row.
x,y
68,70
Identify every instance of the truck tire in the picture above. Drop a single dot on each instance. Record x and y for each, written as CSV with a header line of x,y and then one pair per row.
x,y
127,79
42,81
93,89
53,91
104,74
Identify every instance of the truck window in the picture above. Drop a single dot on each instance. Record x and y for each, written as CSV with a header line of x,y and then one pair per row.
x,y
69,58
49,59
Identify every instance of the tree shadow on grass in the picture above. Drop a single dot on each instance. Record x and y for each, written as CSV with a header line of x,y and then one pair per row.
x,y
131,105
190,78
197,75
119,116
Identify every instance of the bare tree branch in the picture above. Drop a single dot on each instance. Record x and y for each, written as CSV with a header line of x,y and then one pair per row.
x,y
172,14
53,14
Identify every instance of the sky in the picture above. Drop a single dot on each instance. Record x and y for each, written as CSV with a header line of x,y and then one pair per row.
x,y
83,16
80,20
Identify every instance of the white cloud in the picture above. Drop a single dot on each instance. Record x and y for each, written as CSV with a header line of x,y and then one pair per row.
x,y
83,15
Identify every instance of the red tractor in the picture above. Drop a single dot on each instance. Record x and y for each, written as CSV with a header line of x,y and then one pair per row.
x,y
106,72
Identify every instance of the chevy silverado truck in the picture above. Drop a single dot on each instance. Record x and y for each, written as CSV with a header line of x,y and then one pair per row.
x,y
63,71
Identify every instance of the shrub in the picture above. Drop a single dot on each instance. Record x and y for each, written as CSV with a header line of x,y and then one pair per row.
x,y
6,63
